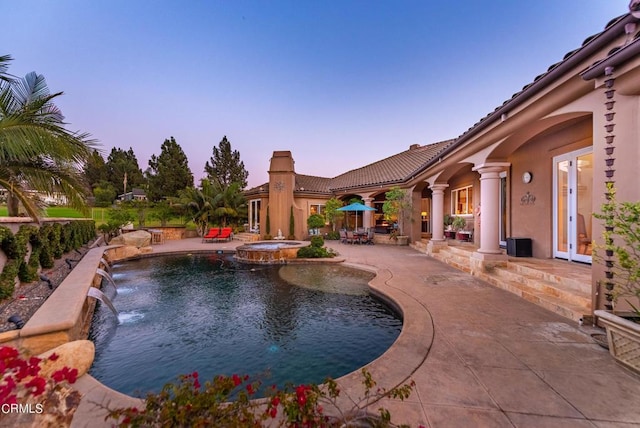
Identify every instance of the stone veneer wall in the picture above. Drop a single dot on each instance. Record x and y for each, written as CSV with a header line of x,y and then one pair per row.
x,y
66,315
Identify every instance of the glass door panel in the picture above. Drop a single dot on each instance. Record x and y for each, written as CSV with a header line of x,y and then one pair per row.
x,y
562,202
503,209
573,182
584,199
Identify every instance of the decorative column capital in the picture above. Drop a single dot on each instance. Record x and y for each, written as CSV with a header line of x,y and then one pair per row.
x,y
491,168
438,188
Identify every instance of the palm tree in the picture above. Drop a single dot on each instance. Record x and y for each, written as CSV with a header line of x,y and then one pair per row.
x,y
229,203
198,202
37,154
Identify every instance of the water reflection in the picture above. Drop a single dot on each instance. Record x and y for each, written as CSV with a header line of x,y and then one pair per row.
x,y
210,314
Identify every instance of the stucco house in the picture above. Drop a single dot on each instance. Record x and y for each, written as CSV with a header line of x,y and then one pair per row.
x,y
534,169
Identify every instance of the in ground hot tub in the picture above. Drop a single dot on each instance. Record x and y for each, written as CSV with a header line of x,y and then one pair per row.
x,y
269,252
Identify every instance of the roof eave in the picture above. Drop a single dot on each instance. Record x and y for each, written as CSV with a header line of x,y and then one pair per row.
x,y
622,55
596,43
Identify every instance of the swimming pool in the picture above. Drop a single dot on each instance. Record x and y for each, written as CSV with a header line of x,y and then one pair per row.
x,y
210,314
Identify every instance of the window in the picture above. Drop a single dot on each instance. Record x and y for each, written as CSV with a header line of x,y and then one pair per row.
x,y
316,209
462,200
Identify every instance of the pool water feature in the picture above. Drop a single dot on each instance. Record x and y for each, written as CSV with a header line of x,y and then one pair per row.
x,y
268,252
211,314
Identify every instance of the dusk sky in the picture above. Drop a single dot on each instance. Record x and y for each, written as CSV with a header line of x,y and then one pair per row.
x,y
340,84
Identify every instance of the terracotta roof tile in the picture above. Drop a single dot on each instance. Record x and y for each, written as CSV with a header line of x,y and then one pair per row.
x,y
396,168
310,183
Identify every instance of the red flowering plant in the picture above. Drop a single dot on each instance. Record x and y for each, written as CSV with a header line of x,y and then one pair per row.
x,y
228,401
23,386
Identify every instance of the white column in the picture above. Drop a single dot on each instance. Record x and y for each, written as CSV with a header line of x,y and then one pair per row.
x,y
366,219
437,211
490,206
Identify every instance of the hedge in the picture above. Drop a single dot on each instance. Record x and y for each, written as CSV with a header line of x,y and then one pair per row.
x,y
48,242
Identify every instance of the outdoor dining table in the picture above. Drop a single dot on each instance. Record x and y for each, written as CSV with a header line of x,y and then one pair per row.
x,y
360,236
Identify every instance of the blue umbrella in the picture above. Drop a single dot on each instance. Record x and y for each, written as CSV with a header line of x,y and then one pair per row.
x,y
356,207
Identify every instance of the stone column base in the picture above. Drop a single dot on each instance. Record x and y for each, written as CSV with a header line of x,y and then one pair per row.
x,y
481,262
434,246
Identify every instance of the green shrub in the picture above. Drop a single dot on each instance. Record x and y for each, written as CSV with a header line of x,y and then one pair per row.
x,y
46,242
315,221
227,401
312,252
333,236
28,270
317,241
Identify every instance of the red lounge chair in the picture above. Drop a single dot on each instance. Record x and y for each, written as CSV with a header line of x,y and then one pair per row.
x,y
225,234
211,235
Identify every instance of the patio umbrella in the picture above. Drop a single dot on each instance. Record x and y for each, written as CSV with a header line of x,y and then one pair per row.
x,y
356,207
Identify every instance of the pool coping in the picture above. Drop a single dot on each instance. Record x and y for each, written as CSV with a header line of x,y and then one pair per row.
x,y
393,368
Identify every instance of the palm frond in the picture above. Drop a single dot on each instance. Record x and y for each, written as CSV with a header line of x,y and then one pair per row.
x,y
4,67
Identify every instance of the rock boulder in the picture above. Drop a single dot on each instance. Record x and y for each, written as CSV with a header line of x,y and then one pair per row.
x,y
137,238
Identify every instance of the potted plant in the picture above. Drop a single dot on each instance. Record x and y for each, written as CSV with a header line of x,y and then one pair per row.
x,y
394,208
448,226
622,260
315,222
459,224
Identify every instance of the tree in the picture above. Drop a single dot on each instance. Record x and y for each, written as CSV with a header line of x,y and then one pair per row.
x,y
199,204
315,221
95,169
104,194
229,203
395,205
331,211
37,152
121,164
169,172
226,167
165,211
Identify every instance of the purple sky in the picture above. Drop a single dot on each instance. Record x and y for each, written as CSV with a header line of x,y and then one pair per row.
x,y
340,84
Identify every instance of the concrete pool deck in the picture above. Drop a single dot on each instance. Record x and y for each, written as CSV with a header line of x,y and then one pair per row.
x,y
479,356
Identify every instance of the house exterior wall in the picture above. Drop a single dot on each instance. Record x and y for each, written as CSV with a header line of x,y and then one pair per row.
x,y
534,218
281,185
562,111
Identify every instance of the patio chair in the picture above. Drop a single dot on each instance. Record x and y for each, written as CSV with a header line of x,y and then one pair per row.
x,y
369,238
211,235
351,238
226,234
343,236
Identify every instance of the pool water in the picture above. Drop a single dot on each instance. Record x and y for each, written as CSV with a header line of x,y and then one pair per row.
x,y
208,313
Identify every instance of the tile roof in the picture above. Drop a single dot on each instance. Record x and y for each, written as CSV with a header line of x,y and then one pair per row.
x,y
394,169
310,183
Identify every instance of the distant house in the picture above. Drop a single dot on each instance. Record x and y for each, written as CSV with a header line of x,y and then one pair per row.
x,y
55,198
134,195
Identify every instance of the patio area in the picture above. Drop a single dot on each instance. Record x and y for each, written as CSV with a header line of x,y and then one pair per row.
x,y
480,356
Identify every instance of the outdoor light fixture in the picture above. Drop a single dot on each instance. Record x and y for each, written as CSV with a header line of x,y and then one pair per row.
x,y
15,319
46,279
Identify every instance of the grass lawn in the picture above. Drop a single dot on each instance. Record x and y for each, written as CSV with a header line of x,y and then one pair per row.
x,y
51,212
100,215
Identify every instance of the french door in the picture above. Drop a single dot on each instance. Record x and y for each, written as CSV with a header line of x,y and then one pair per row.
x,y
572,208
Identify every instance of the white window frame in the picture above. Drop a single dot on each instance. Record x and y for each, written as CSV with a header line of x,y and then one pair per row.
x,y
320,209
468,203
